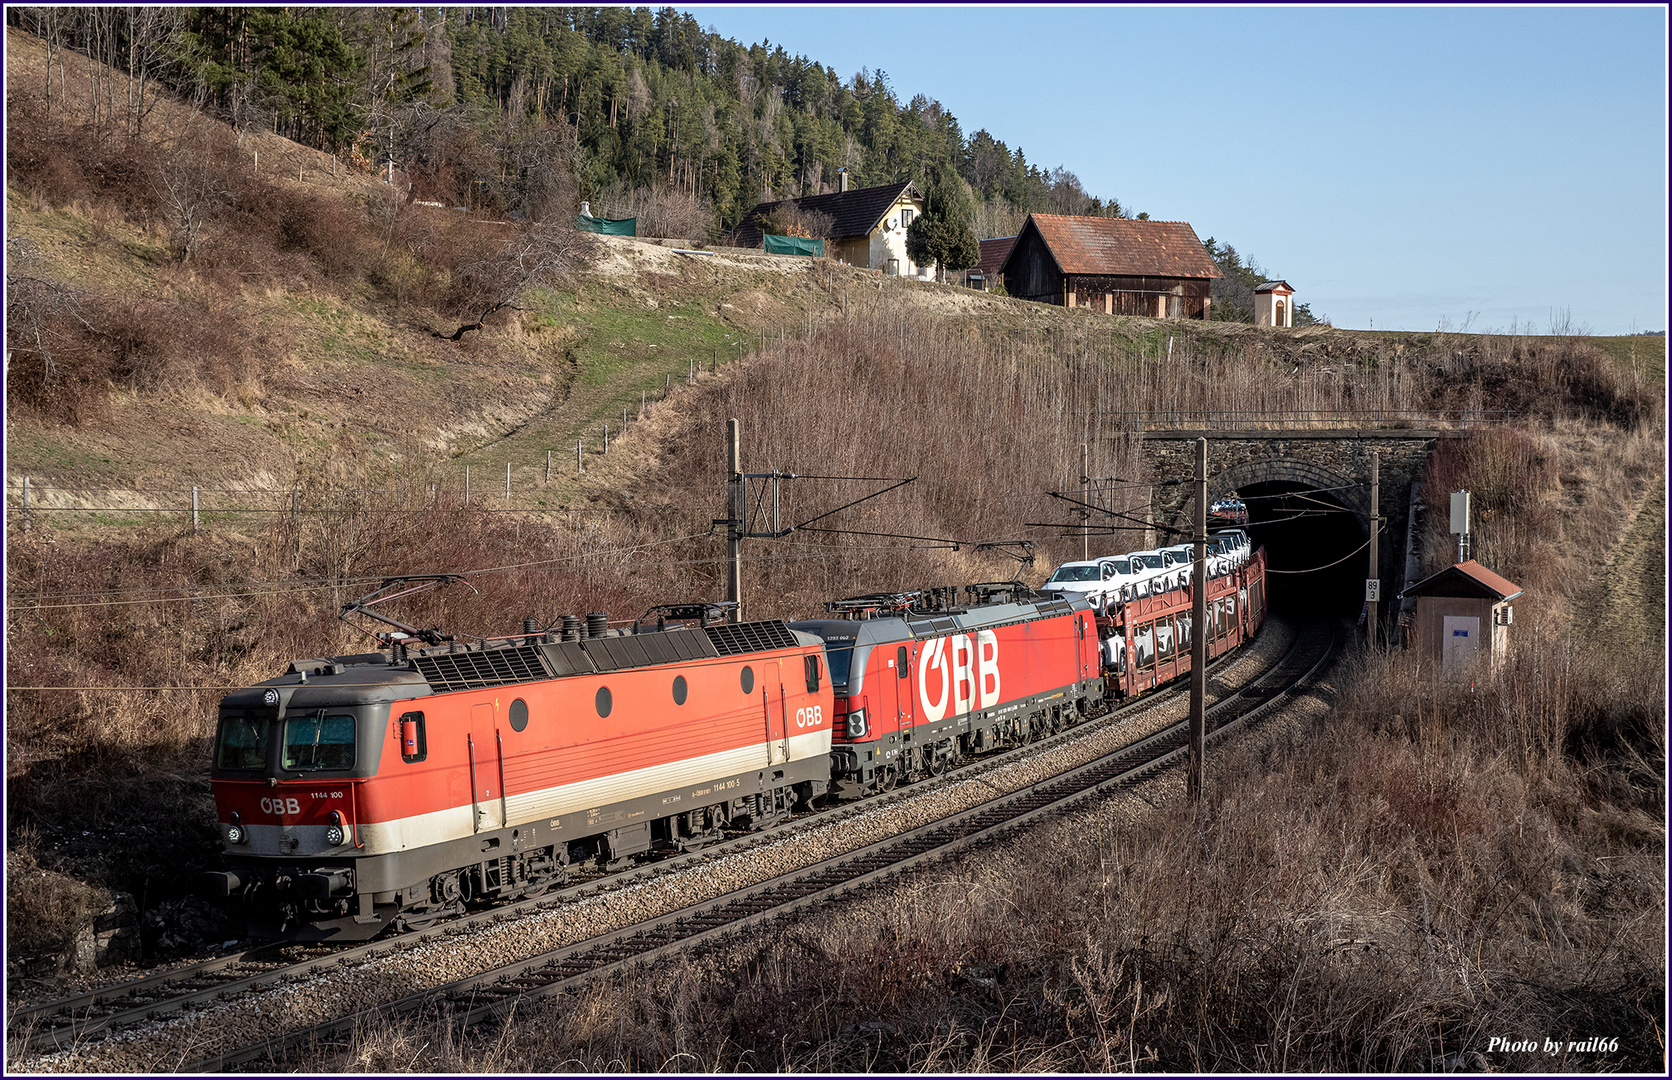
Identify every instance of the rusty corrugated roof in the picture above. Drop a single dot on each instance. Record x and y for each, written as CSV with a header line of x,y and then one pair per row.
x,y
1125,247
1470,572
993,254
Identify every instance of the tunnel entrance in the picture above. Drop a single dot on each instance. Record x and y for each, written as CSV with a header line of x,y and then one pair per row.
x,y
1315,548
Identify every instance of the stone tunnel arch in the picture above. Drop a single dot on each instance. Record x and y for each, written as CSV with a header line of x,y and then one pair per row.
x,y
1352,494
1314,523
1336,461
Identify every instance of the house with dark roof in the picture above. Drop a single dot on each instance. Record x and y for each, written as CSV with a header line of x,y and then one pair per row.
x,y
1118,266
868,225
985,273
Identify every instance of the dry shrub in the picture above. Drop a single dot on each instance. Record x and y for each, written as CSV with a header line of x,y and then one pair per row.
x,y
1543,377
64,163
44,909
791,219
1511,475
661,211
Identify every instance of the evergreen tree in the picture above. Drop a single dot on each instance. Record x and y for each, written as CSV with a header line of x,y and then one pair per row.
x,y
945,232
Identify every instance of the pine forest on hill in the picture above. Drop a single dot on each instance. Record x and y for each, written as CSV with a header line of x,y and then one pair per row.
x,y
530,110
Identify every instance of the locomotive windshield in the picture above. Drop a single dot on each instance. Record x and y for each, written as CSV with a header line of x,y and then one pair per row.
x,y
317,741
241,743
1073,573
840,660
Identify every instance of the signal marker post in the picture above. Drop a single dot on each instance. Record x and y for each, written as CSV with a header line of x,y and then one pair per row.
x,y
1198,628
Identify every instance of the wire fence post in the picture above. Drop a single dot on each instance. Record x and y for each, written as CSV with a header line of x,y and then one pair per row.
x,y
507,484
548,466
642,394
194,508
579,468
667,386
25,504
467,485
606,438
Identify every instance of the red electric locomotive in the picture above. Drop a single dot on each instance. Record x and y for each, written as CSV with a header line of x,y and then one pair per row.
x,y
921,683
393,787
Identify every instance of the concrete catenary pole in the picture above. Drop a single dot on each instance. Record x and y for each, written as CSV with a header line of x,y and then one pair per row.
x,y
1198,629
1375,576
734,520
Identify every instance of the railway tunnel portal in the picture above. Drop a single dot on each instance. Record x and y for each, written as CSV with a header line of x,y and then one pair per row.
x,y
1309,502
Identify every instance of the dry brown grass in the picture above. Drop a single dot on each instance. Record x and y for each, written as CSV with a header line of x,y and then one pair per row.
x,y
1382,888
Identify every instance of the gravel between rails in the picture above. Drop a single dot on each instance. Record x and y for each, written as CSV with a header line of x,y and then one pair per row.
x,y
173,1042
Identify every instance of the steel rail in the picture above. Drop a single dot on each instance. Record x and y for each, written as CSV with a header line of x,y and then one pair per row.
x,y
566,968
68,1021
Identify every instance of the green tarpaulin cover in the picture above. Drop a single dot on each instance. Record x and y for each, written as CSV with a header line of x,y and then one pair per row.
x,y
606,226
793,245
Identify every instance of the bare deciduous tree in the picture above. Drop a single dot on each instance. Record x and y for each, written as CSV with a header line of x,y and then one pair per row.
x,y
37,310
191,186
541,253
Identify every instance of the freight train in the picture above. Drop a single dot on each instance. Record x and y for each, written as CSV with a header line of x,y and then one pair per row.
x,y
388,789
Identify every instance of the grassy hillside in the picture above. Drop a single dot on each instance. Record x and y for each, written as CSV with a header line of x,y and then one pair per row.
x,y
290,366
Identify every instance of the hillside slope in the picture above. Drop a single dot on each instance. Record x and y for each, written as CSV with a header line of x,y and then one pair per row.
x,y
297,351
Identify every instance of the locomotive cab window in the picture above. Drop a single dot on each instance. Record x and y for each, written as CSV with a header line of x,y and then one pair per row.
x,y
812,663
241,743
840,660
318,741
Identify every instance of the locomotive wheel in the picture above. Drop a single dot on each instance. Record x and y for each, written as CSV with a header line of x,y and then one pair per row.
x,y
939,758
887,777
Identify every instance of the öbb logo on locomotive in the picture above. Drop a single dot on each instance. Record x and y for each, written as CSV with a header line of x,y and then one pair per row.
x,y
387,789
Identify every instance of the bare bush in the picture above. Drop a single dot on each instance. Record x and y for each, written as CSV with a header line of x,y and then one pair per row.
x,y
791,219
663,212
40,313
540,254
192,185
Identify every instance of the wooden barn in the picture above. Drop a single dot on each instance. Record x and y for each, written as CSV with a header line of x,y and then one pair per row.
x,y
1114,265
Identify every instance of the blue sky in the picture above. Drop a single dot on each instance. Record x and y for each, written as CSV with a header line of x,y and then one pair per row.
x,y
1399,166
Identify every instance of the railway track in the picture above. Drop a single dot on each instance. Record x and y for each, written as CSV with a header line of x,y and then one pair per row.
x,y
86,1017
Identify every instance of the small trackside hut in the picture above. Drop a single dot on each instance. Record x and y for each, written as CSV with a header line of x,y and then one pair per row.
x,y
1463,615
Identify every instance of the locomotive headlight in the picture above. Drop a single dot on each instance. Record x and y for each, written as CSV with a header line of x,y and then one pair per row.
x,y
271,697
235,834
334,832
856,723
